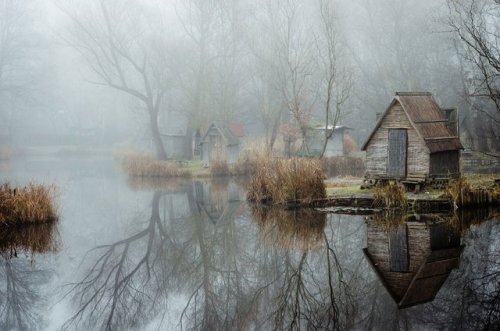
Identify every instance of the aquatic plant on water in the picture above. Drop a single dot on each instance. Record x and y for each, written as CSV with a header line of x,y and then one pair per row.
x,y
391,196
290,180
30,204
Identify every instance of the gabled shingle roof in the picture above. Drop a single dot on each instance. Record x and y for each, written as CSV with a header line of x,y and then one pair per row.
x,y
225,132
427,119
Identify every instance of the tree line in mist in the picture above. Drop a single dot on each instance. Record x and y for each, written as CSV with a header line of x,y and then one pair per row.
x,y
277,66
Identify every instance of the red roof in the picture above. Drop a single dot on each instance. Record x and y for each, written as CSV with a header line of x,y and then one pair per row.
x,y
237,129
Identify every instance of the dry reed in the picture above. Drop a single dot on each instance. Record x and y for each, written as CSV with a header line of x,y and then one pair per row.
x,y
390,196
250,160
33,203
282,181
462,194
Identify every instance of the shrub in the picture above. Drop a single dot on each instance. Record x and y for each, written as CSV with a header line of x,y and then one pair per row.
x,y
250,160
281,181
32,203
390,196
461,193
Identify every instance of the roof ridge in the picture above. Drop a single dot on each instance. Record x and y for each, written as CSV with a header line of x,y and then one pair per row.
x,y
414,93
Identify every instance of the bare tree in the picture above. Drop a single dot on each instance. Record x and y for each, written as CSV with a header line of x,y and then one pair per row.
x,y
337,79
19,61
123,43
476,24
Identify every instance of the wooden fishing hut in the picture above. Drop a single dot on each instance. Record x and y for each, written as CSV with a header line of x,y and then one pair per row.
x,y
414,141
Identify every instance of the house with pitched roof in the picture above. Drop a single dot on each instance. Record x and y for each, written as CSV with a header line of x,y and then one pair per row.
x,y
221,142
414,138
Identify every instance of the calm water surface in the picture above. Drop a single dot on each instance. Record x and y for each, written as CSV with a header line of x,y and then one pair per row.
x,y
167,255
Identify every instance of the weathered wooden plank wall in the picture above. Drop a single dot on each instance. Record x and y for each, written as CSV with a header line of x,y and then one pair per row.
x,y
447,162
418,157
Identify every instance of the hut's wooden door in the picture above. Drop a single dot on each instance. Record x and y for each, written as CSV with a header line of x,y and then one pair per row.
x,y
396,163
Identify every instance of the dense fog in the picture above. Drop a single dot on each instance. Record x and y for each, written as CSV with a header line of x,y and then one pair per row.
x,y
90,75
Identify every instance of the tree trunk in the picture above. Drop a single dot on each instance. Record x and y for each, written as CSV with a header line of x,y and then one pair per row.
x,y
155,132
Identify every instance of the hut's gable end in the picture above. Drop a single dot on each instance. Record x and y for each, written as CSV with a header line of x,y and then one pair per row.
x,y
376,149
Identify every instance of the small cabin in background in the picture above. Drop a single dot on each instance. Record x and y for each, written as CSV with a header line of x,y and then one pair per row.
x,y
413,260
414,138
221,142
335,145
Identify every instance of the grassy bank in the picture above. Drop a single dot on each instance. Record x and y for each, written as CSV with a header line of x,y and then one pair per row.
x,y
30,204
146,165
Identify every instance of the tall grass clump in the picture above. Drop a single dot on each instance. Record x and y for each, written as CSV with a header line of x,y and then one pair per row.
x,y
250,160
462,194
390,196
31,204
146,165
282,181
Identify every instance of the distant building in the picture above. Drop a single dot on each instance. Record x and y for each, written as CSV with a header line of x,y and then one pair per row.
x,y
414,137
335,145
221,142
414,259
174,135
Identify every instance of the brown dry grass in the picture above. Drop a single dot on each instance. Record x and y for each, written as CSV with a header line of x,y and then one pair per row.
x,y
33,203
390,196
146,165
456,189
462,193
343,166
290,229
282,181
250,160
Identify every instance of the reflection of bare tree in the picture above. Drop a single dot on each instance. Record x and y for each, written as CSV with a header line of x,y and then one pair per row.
x,y
313,293
472,300
126,283
209,261
310,289
20,300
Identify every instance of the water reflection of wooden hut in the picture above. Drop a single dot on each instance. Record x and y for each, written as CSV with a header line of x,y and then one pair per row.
x,y
413,260
217,200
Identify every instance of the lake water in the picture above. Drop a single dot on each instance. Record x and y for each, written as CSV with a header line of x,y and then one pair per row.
x,y
168,255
